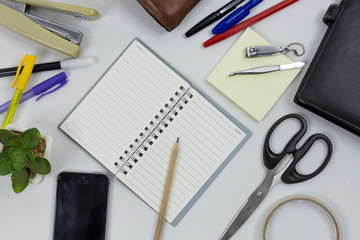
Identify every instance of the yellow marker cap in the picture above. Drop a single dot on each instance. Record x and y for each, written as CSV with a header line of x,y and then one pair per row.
x,y
22,80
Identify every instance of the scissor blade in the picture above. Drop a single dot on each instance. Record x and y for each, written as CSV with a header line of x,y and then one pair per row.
x,y
248,207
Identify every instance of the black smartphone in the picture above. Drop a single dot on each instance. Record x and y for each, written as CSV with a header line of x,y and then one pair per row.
x,y
81,206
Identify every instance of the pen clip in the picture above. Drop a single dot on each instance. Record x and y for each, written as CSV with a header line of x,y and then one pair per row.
x,y
19,69
61,84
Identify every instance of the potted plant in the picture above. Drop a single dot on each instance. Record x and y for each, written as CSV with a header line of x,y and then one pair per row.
x,y
23,156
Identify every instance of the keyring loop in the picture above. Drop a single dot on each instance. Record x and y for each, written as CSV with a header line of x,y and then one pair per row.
x,y
335,221
294,51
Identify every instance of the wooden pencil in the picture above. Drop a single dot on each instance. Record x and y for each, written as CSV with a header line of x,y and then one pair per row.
x,y
166,193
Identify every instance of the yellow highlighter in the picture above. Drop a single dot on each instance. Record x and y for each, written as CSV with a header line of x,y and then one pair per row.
x,y
28,61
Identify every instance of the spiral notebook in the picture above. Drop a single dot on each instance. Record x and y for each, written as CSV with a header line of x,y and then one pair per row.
x,y
130,120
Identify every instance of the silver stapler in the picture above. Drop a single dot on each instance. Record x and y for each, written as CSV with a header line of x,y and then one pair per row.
x,y
16,16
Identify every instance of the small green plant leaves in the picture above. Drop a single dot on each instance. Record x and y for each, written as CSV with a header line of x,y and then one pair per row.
x,y
20,177
47,167
4,170
31,138
20,188
4,137
31,157
40,166
3,156
16,141
18,157
11,167
37,165
6,150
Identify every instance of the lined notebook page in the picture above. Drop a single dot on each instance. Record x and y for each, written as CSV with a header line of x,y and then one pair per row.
x,y
207,138
121,104
141,94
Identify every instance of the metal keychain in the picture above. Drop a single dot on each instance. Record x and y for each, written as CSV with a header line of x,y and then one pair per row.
x,y
260,51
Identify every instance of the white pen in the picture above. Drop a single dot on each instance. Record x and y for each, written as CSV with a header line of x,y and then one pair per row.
x,y
267,69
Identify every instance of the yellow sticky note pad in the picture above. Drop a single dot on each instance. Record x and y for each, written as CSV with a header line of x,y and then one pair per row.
x,y
255,93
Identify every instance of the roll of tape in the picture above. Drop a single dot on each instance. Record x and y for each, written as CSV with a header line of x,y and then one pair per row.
x,y
335,221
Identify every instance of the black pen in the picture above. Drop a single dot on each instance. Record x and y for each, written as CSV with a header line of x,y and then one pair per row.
x,y
64,64
213,17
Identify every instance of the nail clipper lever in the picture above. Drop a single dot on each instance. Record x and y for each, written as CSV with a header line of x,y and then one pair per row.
x,y
259,51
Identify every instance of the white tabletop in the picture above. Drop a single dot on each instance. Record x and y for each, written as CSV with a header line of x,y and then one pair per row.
x,y
30,214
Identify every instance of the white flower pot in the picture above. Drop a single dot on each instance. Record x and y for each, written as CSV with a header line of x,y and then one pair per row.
x,y
49,149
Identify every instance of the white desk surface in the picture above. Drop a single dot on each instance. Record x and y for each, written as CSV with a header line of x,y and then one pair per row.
x,y
30,215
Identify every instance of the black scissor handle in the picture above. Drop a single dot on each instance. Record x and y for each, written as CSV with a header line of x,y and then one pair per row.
x,y
271,159
291,175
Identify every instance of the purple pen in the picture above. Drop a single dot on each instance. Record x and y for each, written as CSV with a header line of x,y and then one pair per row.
x,y
40,89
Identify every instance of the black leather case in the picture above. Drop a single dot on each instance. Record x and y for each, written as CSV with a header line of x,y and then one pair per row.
x,y
331,86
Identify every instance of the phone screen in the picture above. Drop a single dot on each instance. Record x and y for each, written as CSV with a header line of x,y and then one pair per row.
x,y
81,206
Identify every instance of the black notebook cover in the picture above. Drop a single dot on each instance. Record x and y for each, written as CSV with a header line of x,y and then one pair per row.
x,y
331,86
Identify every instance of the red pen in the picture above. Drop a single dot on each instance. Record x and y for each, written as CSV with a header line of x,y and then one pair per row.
x,y
247,23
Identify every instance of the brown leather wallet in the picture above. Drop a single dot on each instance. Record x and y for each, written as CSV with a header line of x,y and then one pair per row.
x,y
168,13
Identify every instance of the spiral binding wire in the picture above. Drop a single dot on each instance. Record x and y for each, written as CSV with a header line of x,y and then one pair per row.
x,y
151,132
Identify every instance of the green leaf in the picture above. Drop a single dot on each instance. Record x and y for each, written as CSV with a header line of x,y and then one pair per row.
x,y
31,138
18,157
20,188
4,170
20,177
6,150
3,156
47,167
37,165
4,137
40,166
16,141
31,158
11,167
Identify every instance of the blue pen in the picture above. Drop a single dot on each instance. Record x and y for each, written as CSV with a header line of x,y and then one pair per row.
x,y
235,17
40,89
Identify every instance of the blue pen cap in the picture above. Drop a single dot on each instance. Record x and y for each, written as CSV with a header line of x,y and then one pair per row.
x,y
44,86
59,79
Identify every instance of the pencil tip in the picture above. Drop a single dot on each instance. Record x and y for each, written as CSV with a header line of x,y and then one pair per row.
x,y
177,140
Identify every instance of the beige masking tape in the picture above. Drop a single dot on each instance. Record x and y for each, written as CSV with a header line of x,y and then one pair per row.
x,y
335,221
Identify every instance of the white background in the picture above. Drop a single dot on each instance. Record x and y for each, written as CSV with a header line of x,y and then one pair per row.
x,y
30,215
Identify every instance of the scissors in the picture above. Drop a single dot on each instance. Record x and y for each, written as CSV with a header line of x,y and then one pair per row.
x,y
276,171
